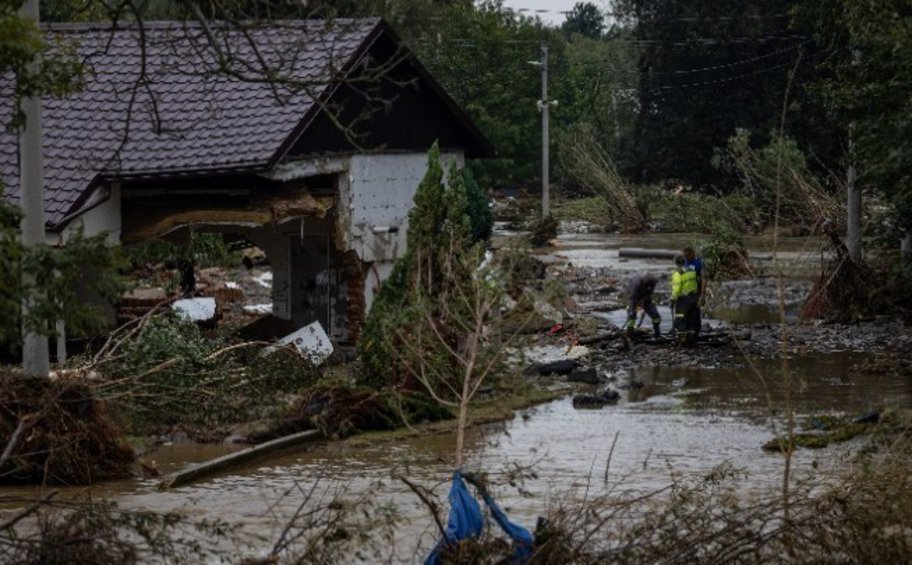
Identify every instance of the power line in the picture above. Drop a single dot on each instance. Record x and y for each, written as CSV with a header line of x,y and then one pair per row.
x,y
471,42
717,81
702,69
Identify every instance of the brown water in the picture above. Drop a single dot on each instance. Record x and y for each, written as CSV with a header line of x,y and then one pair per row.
x,y
794,256
682,421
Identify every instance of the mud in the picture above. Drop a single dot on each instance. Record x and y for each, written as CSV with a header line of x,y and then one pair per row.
x,y
594,277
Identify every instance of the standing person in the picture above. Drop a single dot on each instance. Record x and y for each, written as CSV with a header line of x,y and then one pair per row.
x,y
684,297
639,295
691,261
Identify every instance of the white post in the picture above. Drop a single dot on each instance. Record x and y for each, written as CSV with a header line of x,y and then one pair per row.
x,y
35,355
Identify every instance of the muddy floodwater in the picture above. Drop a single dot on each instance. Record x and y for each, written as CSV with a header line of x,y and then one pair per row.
x,y
681,421
670,421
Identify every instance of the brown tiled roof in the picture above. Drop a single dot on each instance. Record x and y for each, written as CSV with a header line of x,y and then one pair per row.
x,y
184,113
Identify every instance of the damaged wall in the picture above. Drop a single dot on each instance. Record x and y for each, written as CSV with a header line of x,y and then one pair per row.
x,y
374,200
335,265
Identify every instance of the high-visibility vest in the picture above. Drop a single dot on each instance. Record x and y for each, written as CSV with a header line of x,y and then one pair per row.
x,y
683,282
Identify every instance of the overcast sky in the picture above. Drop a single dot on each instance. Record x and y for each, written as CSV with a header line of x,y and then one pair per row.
x,y
554,7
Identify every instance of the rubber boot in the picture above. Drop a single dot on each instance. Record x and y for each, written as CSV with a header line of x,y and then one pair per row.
x,y
656,333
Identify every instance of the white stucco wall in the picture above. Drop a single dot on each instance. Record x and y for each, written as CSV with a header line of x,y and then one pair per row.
x,y
103,218
376,197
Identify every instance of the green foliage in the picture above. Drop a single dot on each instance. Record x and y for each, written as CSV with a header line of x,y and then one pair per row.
x,y
585,19
40,69
708,67
205,249
725,254
11,291
864,82
691,212
457,223
478,209
437,259
70,283
425,220
592,209
479,53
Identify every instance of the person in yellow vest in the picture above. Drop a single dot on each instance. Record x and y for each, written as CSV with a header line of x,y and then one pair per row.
x,y
685,292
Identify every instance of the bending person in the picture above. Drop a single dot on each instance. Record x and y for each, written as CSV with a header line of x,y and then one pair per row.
x,y
639,295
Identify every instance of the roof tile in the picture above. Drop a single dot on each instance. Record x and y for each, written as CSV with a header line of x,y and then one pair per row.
x,y
184,114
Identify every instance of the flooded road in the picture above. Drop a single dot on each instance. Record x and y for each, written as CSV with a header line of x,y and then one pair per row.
x,y
795,256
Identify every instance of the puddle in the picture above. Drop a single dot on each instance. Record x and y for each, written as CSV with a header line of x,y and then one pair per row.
x,y
619,319
821,383
752,314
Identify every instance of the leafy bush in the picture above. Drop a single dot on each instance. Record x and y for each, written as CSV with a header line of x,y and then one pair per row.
x,y
479,211
725,254
592,209
694,212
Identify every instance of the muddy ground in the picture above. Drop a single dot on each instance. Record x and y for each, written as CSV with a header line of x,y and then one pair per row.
x,y
749,308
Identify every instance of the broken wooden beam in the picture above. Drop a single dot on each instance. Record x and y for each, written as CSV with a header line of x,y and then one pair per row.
x,y
208,468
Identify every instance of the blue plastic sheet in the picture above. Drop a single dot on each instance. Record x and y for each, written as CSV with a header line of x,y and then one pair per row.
x,y
466,521
523,539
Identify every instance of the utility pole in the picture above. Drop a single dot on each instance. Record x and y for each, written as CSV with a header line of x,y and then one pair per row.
x,y
35,356
853,201
544,105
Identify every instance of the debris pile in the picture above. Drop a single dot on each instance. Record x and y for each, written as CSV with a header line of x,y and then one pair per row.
x,y
57,432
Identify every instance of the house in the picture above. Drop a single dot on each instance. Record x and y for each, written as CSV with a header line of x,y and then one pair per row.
x,y
309,138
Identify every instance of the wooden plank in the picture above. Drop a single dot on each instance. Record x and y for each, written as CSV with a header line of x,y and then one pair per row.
x,y
641,253
213,466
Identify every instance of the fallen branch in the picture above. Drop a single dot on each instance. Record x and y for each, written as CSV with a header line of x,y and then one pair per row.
x,y
432,506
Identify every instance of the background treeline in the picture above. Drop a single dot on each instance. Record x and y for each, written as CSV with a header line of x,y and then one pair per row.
x,y
663,84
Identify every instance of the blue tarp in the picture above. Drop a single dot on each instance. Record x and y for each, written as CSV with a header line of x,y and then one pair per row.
x,y
466,521
523,539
